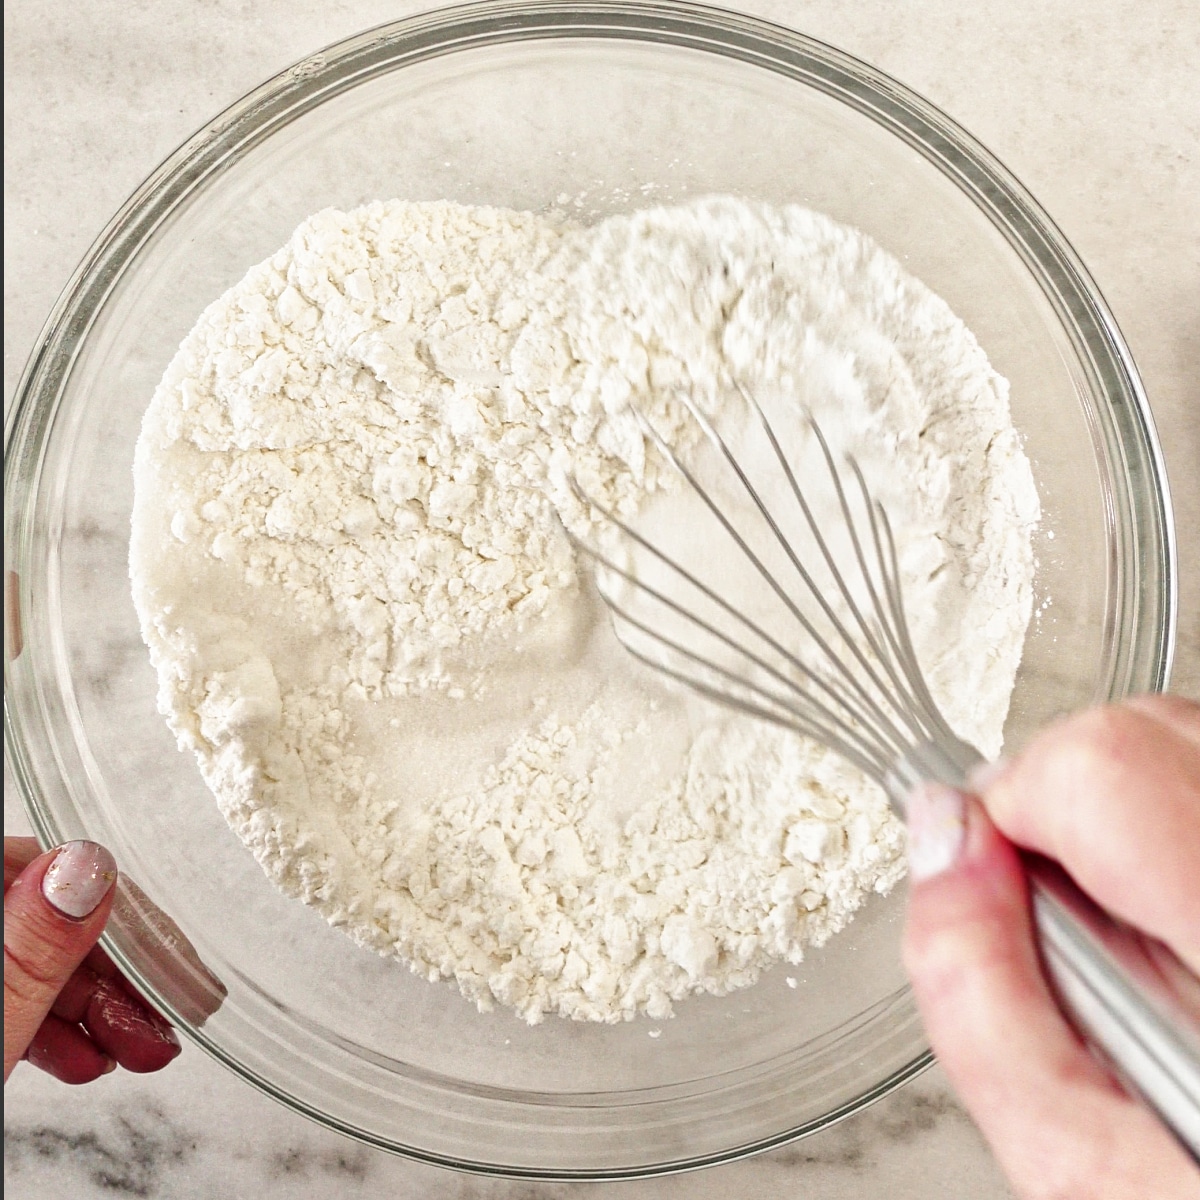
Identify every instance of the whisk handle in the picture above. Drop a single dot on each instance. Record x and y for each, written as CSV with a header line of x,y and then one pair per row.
x,y
1126,994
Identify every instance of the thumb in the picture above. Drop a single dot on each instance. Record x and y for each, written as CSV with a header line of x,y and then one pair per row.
x,y
1056,1119
54,912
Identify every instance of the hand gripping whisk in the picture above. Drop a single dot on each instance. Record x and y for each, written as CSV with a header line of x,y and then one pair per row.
x,y
846,674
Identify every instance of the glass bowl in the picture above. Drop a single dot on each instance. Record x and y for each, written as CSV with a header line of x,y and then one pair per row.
x,y
589,107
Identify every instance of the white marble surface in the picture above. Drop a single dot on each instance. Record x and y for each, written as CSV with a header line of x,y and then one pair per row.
x,y
1091,104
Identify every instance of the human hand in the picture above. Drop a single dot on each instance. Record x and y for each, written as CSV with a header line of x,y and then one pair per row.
x,y
66,1007
1114,796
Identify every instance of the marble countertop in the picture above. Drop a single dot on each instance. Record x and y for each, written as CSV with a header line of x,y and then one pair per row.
x,y
1092,105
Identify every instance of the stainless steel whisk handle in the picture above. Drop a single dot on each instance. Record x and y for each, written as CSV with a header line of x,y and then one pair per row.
x,y
1126,994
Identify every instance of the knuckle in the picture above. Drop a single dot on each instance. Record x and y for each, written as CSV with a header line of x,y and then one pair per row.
x,y
27,979
1070,763
1092,741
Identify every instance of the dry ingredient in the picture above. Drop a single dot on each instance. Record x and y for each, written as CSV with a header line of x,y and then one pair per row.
x,y
372,632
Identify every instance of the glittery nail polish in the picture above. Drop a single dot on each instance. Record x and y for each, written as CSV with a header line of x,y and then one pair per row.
x,y
79,878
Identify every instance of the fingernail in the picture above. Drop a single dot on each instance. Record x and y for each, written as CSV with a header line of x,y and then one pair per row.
x,y
986,774
79,878
936,829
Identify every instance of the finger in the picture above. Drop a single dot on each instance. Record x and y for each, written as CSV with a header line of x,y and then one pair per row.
x,y
1114,795
118,1020
1055,1118
72,1002
53,913
99,962
62,1049
1176,712
126,1029
19,852
194,991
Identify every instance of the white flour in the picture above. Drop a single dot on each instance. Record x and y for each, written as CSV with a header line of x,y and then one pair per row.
x,y
395,675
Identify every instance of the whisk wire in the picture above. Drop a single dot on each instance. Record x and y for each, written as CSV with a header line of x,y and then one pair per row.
x,y
899,697
803,712
925,712
646,588
884,726
843,738
868,762
902,699
831,563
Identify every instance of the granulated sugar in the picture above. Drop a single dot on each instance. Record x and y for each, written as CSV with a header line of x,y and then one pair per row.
x,y
395,674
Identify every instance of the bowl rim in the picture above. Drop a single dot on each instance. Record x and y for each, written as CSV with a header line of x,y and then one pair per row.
x,y
1142,574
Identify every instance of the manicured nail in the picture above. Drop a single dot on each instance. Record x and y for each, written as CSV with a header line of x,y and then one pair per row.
x,y
986,774
936,818
79,878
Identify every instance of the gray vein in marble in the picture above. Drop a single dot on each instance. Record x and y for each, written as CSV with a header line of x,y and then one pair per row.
x,y
126,1154
344,1163
212,1137
903,1118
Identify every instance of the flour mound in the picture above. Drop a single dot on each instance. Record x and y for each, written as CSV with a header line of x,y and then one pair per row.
x,y
349,565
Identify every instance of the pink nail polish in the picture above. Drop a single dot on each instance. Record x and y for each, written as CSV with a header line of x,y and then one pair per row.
x,y
79,878
937,828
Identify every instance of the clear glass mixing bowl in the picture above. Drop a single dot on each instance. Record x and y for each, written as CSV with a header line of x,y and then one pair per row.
x,y
591,107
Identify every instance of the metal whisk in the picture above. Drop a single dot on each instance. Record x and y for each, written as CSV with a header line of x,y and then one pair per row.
x,y
850,679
